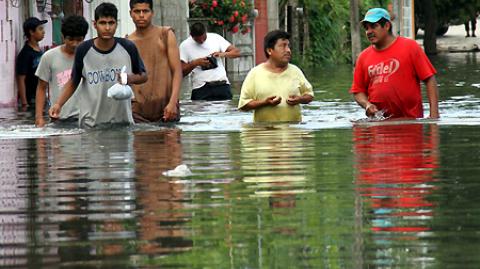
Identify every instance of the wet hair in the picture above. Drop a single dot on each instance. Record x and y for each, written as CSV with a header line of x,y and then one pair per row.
x,y
382,22
197,29
271,39
134,2
106,10
74,26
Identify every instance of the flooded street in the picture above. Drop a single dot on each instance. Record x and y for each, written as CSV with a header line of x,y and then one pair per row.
x,y
331,192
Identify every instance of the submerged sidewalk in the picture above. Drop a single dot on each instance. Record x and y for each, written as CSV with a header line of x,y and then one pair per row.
x,y
454,40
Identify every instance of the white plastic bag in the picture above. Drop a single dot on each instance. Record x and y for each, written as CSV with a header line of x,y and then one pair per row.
x,y
180,171
121,91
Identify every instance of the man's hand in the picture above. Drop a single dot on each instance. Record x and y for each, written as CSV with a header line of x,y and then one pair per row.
x,y
432,94
434,115
23,107
255,104
203,62
22,95
54,111
40,122
273,100
170,113
122,78
294,100
219,54
370,110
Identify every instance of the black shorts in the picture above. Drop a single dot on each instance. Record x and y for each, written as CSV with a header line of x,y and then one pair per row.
x,y
213,92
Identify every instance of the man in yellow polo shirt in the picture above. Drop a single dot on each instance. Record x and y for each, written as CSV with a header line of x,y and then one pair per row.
x,y
275,89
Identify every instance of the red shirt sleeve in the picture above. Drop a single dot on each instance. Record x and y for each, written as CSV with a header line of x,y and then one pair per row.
x,y
423,67
360,77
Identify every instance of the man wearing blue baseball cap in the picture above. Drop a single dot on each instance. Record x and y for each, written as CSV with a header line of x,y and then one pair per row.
x,y
387,74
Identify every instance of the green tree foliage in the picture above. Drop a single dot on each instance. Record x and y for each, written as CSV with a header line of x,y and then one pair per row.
x,y
329,32
329,29
376,3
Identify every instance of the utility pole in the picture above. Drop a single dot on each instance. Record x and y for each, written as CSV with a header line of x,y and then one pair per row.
x,y
355,30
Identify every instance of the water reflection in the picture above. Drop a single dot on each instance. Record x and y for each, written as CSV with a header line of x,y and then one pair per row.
x,y
14,231
471,59
273,159
275,163
163,221
396,170
92,199
82,208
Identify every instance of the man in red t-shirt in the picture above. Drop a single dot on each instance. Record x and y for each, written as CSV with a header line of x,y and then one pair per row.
x,y
387,75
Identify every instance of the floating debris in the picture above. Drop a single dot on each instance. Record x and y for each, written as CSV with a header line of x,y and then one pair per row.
x,y
179,171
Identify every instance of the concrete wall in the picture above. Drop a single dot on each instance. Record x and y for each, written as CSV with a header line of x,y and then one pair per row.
x,y
273,21
12,41
251,44
404,21
9,16
125,24
167,12
238,68
173,13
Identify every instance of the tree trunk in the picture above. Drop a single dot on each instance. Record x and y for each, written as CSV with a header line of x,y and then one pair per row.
x,y
430,37
355,30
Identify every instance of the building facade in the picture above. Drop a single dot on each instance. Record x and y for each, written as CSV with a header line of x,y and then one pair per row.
x,y
404,22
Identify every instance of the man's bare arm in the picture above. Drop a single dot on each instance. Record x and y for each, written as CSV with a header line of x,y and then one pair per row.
x,y
303,99
40,98
68,90
188,67
171,111
362,100
432,94
231,52
255,104
22,90
137,78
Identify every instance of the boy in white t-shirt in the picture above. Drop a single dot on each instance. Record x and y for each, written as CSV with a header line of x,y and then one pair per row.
x,y
96,68
200,55
55,69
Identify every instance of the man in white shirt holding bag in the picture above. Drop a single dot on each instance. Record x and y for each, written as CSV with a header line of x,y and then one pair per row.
x,y
201,55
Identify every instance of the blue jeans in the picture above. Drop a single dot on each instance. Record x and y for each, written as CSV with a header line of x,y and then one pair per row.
x,y
212,92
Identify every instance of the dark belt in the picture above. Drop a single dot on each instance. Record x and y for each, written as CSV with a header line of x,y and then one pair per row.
x,y
216,83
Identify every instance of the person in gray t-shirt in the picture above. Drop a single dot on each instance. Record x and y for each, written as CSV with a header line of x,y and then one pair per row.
x,y
96,66
55,70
